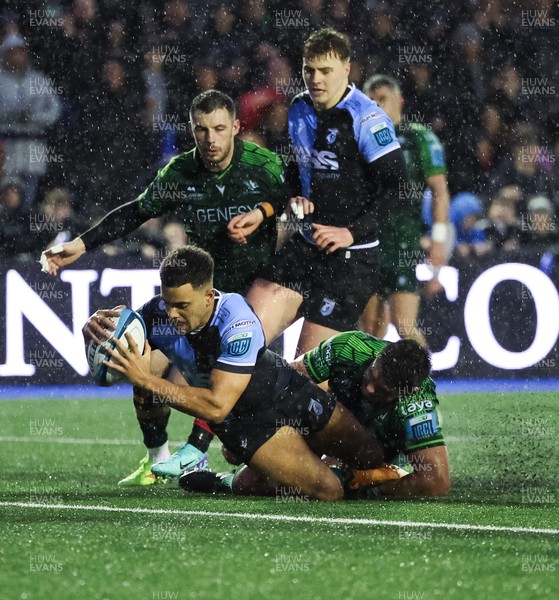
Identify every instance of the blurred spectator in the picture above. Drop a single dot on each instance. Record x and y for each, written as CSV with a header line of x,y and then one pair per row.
x,y
501,229
115,142
220,40
253,24
507,95
253,104
14,218
155,85
61,222
492,140
29,105
521,166
174,236
539,224
274,128
382,46
464,212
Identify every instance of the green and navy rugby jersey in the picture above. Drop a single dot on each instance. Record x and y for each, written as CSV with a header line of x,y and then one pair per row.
x,y
232,341
333,149
206,202
411,424
424,156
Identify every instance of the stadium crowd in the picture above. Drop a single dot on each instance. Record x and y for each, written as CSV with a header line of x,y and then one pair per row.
x,y
94,97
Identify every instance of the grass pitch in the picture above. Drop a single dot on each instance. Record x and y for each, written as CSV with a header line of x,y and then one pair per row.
x,y
68,532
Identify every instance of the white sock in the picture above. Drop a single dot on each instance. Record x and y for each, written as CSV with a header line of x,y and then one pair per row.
x,y
159,454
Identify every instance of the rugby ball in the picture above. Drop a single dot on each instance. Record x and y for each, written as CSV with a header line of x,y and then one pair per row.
x,y
130,322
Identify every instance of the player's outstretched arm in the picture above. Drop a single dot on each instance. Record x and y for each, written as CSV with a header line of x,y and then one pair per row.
x,y
212,404
114,225
430,477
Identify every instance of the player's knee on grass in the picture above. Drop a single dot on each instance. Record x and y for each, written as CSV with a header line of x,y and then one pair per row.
x,y
329,489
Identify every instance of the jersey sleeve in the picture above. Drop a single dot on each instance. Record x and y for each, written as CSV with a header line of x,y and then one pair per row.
x,y
431,154
155,199
277,185
375,134
242,339
421,419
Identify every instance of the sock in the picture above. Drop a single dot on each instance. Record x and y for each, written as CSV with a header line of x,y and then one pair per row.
x,y
155,431
201,435
159,454
343,473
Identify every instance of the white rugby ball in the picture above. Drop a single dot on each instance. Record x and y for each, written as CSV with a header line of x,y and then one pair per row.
x,y
130,322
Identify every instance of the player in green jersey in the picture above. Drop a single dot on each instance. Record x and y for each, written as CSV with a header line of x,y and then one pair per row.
x,y
207,186
388,388
400,251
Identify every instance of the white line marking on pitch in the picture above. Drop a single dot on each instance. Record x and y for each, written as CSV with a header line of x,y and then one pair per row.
x,y
83,441
289,518
99,442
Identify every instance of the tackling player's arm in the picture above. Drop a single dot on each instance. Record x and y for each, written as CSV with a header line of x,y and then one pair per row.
x,y
212,404
300,367
116,224
430,477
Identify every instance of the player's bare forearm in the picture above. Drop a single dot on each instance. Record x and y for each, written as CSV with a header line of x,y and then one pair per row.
x,y
194,401
431,476
441,197
414,485
212,404
440,232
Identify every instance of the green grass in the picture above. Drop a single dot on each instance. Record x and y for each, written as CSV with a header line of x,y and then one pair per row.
x,y
504,465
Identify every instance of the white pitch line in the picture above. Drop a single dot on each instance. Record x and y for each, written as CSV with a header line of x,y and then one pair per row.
x,y
116,442
83,441
287,518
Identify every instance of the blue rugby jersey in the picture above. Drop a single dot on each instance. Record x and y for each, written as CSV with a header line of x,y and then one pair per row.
x,y
232,340
333,150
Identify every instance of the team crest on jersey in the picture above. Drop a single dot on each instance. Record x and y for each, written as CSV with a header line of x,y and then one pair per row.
x,y
327,306
422,426
251,185
239,344
383,137
332,135
315,407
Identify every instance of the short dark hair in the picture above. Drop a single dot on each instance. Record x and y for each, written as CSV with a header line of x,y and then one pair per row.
x,y
188,264
211,100
380,80
404,365
327,41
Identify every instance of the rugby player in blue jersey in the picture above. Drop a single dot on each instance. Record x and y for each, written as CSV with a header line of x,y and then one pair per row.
x,y
270,416
348,166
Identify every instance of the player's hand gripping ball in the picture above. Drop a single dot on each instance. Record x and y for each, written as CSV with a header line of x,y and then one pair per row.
x,y
130,322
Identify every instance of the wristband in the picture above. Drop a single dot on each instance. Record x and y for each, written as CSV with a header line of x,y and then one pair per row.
x,y
439,232
266,209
